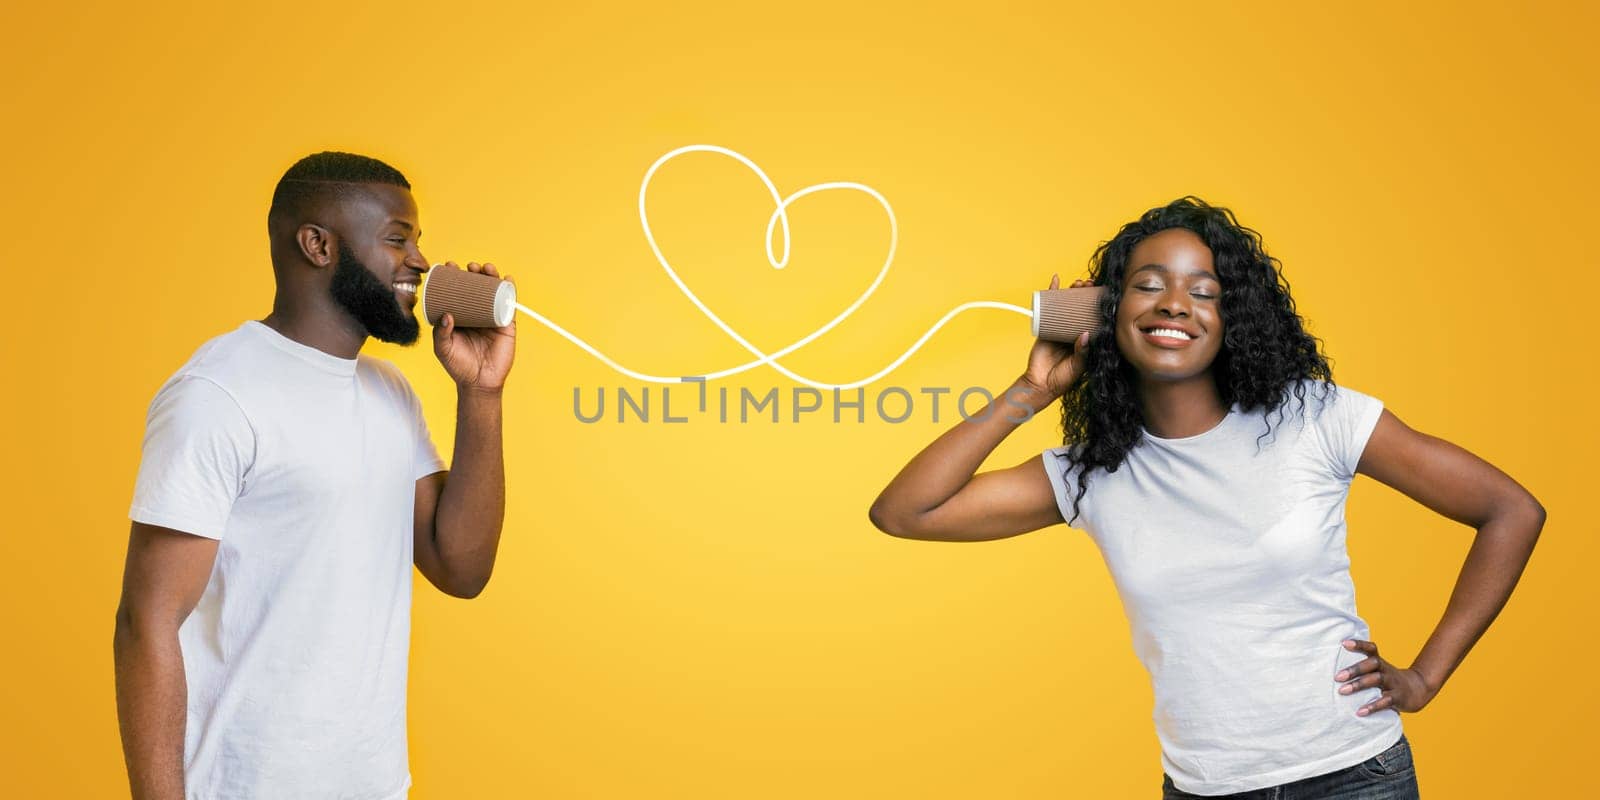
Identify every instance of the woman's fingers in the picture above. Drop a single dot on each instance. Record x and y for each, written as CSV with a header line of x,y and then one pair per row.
x,y
1075,362
1386,701
1367,673
1366,665
1055,282
1363,682
1361,646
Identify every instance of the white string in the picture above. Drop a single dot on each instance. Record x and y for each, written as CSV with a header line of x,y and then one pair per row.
x,y
779,216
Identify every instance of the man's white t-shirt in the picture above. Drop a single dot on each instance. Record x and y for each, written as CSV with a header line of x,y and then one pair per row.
x,y
303,466
1230,561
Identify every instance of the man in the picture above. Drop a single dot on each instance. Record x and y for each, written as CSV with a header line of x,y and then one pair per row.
x,y
286,487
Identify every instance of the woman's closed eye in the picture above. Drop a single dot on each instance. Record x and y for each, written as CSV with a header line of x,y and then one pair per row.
x,y
1203,295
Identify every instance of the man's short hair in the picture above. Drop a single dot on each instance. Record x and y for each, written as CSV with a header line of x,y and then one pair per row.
x,y
326,176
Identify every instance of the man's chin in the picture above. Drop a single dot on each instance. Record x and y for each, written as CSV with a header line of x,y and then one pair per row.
x,y
403,333
404,338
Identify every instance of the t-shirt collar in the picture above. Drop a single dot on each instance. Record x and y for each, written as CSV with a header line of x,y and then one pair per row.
x,y
311,355
1232,412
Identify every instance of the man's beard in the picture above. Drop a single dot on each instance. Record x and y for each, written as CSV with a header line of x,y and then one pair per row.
x,y
373,304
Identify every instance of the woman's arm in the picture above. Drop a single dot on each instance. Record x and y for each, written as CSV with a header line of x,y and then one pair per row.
x,y
1469,490
937,496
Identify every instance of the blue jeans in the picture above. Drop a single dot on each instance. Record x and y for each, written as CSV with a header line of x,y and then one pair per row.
x,y
1389,775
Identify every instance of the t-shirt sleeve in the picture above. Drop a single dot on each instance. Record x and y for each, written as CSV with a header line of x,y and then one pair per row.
x,y
425,459
196,456
1064,482
1344,425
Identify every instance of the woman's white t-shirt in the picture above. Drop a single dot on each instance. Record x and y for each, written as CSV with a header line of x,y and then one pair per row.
x,y
1228,551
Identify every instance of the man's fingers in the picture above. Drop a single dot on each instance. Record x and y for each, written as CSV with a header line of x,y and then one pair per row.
x,y
488,269
1055,282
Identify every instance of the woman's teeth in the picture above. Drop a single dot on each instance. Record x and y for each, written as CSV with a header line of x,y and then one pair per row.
x,y
1169,333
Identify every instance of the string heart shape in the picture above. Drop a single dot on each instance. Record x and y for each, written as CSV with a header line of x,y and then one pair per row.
x,y
779,217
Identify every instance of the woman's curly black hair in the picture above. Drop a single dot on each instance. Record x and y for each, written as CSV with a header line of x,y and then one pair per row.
x,y
1266,353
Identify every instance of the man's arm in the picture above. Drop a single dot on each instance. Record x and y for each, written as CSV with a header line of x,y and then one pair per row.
x,y
165,575
459,512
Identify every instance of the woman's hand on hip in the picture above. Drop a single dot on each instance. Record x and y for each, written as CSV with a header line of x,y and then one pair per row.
x,y
1403,689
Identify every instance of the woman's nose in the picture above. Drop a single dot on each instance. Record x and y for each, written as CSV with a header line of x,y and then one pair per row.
x,y
1175,303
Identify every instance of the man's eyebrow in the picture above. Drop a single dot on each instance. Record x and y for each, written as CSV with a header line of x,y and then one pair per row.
x,y
1162,268
402,223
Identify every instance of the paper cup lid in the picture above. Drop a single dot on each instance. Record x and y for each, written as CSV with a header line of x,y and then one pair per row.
x,y
505,303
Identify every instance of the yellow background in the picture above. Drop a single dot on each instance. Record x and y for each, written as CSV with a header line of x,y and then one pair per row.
x,y
702,610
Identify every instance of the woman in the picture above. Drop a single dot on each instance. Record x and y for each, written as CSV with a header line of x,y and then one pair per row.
x,y
1209,454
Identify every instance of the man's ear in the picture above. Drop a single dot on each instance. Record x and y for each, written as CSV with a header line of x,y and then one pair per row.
x,y
318,244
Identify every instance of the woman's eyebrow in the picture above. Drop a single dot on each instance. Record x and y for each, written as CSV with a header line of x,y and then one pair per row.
x,y
1162,268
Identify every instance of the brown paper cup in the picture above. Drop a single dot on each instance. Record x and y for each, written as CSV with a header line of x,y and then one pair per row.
x,y
1059,315
474,299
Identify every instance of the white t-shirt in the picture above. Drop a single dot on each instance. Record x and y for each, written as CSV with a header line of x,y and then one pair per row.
x,y
1232,569
304,466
